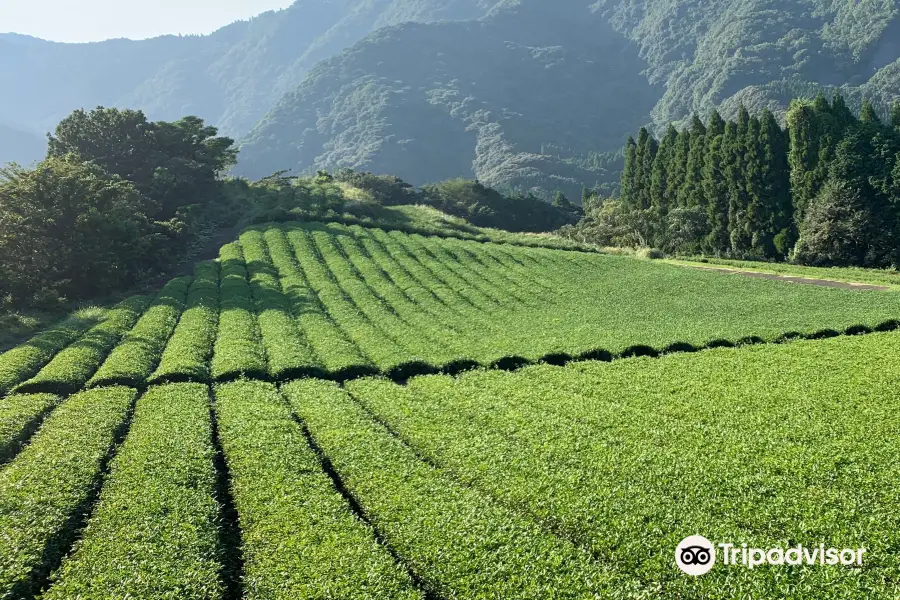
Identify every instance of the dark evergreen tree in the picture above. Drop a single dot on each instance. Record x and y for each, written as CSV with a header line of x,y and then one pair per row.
x,y
629,173
804,155
716,124
645,154
660,176
867,113
678,168
895,114
715,189
690,194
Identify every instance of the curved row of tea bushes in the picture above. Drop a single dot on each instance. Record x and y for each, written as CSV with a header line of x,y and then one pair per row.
x,y
287,348
755,445
188,353
20,415
154,533
375,343
381,314
238,349
460,543
331,345
46,490
21,362
73,367
135,358
300,537
441,336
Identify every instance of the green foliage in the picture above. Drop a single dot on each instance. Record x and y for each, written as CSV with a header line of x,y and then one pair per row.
x,y
300,538
485,207
287,348
238,349
20,416
154,533
71,368
21,362
479,549
190,348
44,491
135,358
609,456
744,188
838,229
68,230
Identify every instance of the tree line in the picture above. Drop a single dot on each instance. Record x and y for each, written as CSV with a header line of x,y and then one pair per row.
x,y
116,198
823,189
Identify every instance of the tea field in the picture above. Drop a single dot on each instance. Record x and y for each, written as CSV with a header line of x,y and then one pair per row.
x,y
339,411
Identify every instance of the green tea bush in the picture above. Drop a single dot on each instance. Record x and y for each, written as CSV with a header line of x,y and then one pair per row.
x,y
188,353
238,349
46,490
22,362
287,348
20,416
154,533
301,539
73,367
133,360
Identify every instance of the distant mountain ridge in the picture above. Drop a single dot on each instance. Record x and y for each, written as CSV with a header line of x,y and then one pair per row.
x,y
529,94
230,77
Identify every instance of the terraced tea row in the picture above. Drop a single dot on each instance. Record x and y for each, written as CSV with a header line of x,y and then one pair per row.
x,y
339,302
561,482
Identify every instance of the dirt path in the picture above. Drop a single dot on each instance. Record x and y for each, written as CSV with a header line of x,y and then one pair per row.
x,y
793,279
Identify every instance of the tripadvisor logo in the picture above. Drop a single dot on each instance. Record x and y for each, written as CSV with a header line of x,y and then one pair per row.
x,y
696,555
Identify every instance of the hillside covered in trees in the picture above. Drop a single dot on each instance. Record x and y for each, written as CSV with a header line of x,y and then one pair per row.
x,y
526,94
825,190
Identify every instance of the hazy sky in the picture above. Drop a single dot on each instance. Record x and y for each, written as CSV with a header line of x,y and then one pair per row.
x,y
93,20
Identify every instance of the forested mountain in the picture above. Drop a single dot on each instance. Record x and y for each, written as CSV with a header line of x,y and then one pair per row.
x,y
230,78
520,93
520,98
538,92
22,147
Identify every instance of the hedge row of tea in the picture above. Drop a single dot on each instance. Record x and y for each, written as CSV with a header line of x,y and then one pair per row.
x,y
332,301
549,482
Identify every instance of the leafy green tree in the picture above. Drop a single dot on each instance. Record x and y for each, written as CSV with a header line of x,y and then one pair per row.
x,y
171,164
68,230
837,230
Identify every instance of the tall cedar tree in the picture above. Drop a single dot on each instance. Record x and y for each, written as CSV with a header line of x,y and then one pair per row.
x,y
678,168
716,192
777,185
660,177
735,177
895,114
690,194
629,173
643,169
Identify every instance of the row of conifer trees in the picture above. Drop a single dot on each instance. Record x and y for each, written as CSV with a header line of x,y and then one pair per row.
x,y
824,188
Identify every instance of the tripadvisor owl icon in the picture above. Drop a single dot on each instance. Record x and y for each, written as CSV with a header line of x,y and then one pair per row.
x,y
695,555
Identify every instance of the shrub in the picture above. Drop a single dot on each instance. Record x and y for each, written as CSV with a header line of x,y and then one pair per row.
x,y
46,489
301,539
20,416
154,532
73,367
190,348
133,360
